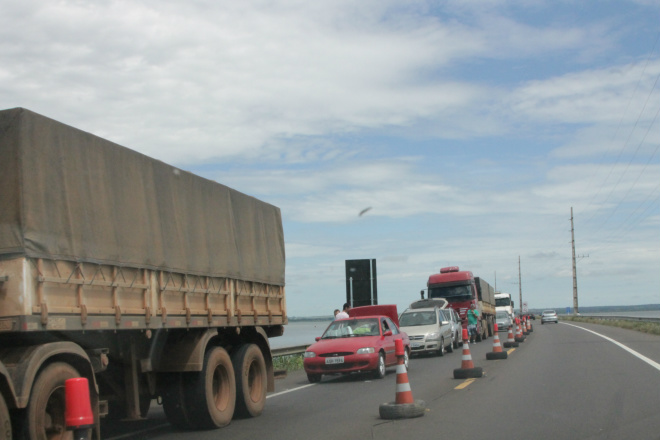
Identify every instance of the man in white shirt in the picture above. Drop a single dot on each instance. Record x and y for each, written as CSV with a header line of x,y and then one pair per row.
x,y
344,313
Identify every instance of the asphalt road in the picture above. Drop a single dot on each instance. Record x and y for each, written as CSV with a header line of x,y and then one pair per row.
x,y
563,382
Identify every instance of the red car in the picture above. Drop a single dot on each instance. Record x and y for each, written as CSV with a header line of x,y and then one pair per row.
x,y
355,344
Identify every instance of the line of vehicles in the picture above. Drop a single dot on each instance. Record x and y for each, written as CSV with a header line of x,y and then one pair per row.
x,y
160,284
364,342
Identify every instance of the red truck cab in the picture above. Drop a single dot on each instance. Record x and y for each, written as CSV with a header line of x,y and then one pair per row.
x,y
461,289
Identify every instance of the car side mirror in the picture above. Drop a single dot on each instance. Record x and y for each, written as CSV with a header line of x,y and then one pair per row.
x,y
318,338
388,333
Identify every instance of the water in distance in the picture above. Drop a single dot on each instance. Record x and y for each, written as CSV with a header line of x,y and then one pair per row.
x,y
299,333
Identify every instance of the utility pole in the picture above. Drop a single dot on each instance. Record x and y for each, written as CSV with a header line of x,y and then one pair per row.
x,y
575,292
520,304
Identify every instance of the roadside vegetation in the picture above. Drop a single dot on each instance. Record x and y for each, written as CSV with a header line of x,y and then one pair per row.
x,y
293,362
640,326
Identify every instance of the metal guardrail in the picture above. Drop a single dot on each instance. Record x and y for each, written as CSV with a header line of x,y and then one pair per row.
x,y
618,317
288,351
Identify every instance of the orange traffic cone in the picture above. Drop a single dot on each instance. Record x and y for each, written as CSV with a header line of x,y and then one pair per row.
x,y
403,391
403,406
511,342
467,366
524,326
519,334
497,352
529,326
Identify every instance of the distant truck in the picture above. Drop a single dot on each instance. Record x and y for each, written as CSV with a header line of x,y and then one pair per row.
x,y
151,282
504,303
460,289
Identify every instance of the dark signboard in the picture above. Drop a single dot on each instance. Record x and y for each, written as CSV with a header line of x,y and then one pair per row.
x,y
361,286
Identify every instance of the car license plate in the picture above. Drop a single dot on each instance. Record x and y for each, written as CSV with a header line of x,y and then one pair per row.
x,y
335,360
416,344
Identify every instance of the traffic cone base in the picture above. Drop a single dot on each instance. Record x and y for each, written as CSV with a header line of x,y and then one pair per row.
x,y
492,356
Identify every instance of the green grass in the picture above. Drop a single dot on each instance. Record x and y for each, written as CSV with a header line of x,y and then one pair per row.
x,y
639,326
293,362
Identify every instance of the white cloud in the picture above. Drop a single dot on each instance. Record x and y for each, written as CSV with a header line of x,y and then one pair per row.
x,y
608,95
469,127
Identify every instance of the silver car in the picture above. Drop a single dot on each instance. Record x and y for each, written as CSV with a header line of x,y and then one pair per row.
x,y
456,326
429,330
549,316
503,320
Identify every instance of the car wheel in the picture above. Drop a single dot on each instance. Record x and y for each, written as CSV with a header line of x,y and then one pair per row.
x,y
450,347
441,350
379,372
314,378
406,358
456,340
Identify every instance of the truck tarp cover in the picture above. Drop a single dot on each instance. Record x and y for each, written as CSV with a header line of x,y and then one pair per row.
x,y
67,194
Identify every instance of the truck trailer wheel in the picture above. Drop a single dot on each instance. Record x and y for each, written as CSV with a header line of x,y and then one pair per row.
x,y
211,394
44,417
251,380
5,421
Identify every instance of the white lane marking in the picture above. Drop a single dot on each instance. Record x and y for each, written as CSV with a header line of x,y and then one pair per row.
x,y
651,362
290,391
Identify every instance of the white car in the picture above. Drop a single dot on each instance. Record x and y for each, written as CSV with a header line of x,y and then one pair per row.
x,y
429,330
549,316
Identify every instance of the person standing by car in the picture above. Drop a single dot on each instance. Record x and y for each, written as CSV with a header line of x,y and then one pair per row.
x,y
344,313
472,317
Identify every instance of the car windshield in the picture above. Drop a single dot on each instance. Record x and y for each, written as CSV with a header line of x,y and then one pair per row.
x,y
347,328
411,319
502,315
454,293
549,312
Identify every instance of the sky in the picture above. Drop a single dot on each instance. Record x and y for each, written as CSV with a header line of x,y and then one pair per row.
x,y
470,128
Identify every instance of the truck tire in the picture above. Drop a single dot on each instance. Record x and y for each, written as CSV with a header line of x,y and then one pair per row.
x,y
210,395
251,380
174,402
44,417
5,421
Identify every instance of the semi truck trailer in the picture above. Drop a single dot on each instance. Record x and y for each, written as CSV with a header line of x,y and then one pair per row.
x,y
149,281
461,289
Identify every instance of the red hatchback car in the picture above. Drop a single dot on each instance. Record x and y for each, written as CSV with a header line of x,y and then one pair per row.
x,y
355,344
